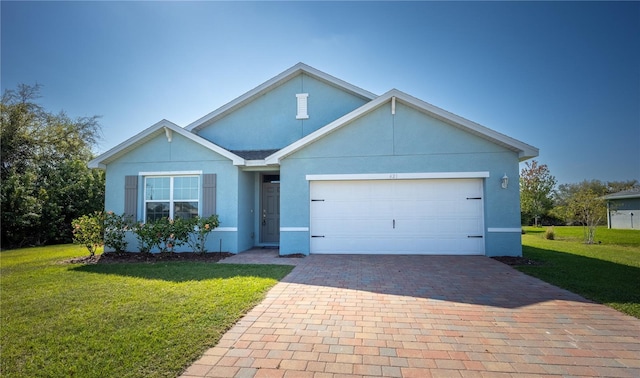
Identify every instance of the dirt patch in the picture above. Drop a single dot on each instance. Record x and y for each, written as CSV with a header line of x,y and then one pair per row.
x,y
136,257
293,256
516,261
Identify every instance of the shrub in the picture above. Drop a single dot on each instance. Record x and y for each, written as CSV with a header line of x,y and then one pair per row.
x,y
550,234
147,236
171,233
199,232
166,234
115,229
88,231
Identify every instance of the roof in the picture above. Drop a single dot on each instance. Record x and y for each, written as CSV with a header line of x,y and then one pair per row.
x,y
524,150
162,127
254,154
265,87
262,158
625,194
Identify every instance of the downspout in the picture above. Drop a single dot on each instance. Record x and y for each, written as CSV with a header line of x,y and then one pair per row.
x,y
608,215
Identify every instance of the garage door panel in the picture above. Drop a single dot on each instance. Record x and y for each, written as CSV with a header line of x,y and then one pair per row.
x,y
351,245
431,216
350,227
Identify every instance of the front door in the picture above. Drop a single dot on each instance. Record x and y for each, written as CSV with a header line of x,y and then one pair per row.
x,y
270,216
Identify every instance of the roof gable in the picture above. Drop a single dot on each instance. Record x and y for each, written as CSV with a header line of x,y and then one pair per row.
x,y
524,150
166,127
270,85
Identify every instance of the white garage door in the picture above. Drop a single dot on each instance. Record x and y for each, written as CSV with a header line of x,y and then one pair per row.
x,y
430,216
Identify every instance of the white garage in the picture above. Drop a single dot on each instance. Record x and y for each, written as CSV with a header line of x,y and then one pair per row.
x,y
397,216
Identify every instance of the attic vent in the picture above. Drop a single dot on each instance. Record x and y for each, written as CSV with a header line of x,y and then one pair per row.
x,y
302,106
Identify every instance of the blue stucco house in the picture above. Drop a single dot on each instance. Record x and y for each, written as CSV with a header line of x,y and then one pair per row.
x,y
312,164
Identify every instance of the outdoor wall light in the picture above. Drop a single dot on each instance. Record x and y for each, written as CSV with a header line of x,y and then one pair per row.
x,y
505,181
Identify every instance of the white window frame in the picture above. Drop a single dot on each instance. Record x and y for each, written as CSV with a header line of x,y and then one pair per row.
x,y
171,176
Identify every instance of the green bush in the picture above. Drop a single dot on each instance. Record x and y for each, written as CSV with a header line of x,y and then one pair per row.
x,y
550,234
166,234
115,231
199,229
88,231
147,236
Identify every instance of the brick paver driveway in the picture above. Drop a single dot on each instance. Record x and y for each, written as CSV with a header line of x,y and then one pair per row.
x,y
420,316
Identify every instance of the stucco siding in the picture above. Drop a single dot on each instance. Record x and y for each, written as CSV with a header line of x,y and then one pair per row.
x,y
246,210
408,142
269,122
158,155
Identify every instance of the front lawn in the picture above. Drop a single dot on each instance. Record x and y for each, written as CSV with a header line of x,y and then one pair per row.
x,y
608,272
117,320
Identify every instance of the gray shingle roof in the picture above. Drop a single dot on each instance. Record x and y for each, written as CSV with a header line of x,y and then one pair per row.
x,y
254,154
631,193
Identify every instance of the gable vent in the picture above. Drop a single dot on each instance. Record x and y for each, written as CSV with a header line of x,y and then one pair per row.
x,y
302,106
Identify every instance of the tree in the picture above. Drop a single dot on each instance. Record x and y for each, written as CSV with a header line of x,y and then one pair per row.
x,y
589,209
45,182
566,194
536,186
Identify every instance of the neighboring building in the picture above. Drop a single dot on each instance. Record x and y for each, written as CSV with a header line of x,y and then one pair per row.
x,y
313,164
623,209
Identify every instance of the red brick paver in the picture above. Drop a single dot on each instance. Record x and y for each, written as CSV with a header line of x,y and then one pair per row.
x,y
419,316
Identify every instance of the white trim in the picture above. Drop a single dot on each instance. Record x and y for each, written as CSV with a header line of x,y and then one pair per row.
x,y
294,229
254,163
170,173
398,176
504,229
152,132
268,85
524,150
171,200
226,229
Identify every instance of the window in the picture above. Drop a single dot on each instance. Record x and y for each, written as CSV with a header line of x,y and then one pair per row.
x,y
171,196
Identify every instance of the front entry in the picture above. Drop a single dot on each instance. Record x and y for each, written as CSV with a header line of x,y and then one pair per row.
x,y
270,215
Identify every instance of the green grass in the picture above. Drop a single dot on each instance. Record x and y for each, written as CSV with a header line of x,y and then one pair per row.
x,y
608,272
117,320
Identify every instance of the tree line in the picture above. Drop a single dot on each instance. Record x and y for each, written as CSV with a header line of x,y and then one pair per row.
x,y
45,182
542,203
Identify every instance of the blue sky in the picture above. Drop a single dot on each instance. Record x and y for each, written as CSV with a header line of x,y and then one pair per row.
x,y
564,77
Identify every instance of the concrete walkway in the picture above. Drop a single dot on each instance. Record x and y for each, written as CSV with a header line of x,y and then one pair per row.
x,y
419,316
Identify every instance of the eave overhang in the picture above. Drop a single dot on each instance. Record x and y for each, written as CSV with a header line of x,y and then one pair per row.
x,y
267,86
162,127
525,151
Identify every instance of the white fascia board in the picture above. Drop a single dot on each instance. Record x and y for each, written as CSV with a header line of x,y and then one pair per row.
x,y
300,143
237,160
129,144
335,81
272,83
525,151
160,127
398,176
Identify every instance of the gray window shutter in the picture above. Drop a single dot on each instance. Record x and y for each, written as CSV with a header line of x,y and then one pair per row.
x,y
208,194
131,196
